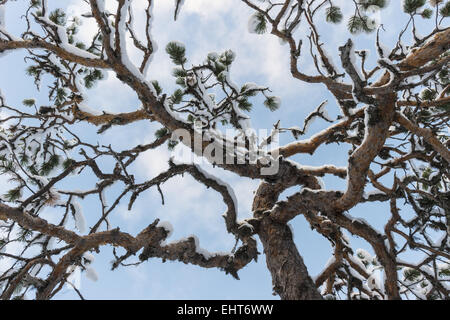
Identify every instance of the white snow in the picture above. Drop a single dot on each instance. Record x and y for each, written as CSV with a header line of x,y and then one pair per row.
x,y
74,276
91,274
167,226
77,51
80,221
86,109
202,251
373,193
352,56
89,256
365,255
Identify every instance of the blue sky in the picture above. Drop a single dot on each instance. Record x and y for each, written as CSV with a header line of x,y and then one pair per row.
x,y
203,26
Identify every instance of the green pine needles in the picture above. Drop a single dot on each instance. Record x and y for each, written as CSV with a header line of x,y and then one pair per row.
x,y
177,52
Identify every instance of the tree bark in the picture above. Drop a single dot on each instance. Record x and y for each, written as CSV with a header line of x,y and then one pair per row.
x,y
290,277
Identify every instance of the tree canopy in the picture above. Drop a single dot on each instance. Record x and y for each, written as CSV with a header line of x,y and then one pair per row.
x,y
393,107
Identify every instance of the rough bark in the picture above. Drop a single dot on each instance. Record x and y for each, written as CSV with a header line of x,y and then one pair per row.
x,y
290,277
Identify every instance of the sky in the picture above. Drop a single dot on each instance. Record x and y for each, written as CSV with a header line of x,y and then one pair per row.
x,y
203,26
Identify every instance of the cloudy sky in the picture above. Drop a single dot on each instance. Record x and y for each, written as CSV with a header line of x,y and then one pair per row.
x,y
203,26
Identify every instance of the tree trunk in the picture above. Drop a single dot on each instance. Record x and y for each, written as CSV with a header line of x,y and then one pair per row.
x,y
290,276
